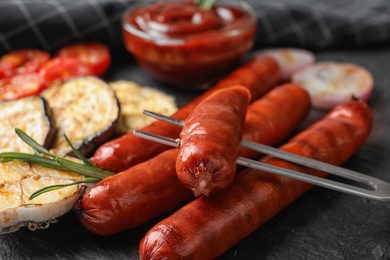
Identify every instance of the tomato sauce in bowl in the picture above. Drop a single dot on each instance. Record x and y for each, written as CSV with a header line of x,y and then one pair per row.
x,y
188,47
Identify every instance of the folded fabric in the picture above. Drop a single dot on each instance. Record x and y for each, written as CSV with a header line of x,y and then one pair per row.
x,y
311,24
318,24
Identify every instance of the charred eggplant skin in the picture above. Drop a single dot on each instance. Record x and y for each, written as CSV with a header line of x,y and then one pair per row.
x,y
33,115
52,131
86,110
91,144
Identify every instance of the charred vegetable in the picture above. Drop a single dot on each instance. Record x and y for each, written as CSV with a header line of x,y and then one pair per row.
x,y
86,110
333,83
33,116
18,180
57,181
134,99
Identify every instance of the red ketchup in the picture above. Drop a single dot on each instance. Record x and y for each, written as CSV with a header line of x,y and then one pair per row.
x,y
188,47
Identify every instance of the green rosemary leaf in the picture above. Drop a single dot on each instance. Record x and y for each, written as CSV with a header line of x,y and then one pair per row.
x,y
205,4
91,172
31,158
86,170
31,142
60,186
77,153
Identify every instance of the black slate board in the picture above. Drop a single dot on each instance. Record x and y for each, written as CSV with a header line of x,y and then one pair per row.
x,y
322,224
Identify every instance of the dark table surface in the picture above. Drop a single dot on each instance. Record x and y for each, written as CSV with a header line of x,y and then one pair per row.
x,y
322,224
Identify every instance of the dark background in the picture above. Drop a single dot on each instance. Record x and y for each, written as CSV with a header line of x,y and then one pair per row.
x,y
322,224
309,24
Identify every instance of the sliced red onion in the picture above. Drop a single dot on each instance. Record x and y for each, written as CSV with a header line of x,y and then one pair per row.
x,y
332,83
289,59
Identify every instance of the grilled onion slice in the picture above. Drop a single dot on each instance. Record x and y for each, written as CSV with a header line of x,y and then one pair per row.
x,y
86,110
332,83
289,60
18,180
33,116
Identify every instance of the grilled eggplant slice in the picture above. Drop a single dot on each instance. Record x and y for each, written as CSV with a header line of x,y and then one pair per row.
x,y
134,99
86,110
33,116
18,180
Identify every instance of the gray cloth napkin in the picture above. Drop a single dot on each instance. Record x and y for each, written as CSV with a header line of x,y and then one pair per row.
x,y
311,24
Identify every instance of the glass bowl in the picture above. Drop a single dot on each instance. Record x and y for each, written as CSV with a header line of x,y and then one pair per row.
x,y
187,47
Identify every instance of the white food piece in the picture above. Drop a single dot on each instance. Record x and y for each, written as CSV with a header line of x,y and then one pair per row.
x,y
18,180
289,60
332,83
134,99
32,116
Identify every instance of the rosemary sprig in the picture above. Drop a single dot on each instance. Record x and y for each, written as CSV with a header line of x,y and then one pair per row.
x,y
78,154
44,157
86,170
31,142
204,4
31,158
60,186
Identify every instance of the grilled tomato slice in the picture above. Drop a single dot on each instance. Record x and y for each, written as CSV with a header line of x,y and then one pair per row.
x,y
22,62
94,55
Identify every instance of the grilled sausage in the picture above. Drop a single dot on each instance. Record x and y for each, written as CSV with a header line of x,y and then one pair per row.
x,y
275,115
132,197
207,227
210,141
258,75
151,188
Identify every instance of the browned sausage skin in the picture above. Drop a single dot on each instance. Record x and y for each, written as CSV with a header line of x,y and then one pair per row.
x,y
207,227
210,141
149,189
132,197
284,107
258,75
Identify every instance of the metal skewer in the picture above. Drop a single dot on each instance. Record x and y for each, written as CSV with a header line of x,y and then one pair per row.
x,y
375,188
